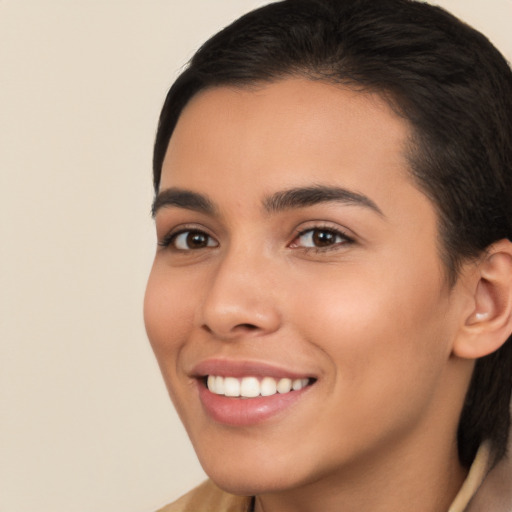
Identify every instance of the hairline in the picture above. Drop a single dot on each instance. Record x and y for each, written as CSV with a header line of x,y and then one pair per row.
x,y
413,147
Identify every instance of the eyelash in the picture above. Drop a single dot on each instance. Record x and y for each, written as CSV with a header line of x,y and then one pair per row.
x,y
345,239
170,239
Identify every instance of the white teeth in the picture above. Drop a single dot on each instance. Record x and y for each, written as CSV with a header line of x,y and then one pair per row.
x,y
210,383
268,386
219,385
250,387
299,384
284,385
231,386
216,384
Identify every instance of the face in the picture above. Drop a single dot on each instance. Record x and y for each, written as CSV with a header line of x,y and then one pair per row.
x,y
295,250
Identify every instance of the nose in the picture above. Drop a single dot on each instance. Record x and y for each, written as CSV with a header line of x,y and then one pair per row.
x,y
240,298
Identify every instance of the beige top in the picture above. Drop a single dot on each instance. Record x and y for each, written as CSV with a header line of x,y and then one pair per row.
x,y
482,491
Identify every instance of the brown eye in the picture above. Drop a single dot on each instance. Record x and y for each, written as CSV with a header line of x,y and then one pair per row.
x,y
323,238
320,238
191,239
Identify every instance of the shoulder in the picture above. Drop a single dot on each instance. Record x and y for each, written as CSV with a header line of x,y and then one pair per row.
x,y
495,493
207,497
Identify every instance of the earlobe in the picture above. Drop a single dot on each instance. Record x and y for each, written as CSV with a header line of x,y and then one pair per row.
x,y
489,323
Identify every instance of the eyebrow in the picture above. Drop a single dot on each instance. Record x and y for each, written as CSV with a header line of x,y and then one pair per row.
x,y
303,197
182,199
300,197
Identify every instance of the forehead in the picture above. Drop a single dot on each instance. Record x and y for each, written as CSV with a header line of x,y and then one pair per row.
x,y
295,114
291,133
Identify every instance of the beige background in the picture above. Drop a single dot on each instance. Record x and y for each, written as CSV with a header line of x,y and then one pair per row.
x,y
86,425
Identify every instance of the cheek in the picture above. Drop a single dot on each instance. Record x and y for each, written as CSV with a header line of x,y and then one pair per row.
x,y
380,328
387,349
168,317
167,314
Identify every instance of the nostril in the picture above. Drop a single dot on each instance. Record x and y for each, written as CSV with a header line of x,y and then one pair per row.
x,y
207,329
238,327
248,327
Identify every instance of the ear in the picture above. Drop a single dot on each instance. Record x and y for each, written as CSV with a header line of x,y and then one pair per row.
x,y
489,324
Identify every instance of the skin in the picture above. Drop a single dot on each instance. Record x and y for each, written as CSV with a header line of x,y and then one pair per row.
x,y
370,314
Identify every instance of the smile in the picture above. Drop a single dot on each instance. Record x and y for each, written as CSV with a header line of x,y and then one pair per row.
x,y
252,387
248,393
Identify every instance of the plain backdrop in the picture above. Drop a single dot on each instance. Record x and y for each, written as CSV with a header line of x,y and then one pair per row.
x,y
85,421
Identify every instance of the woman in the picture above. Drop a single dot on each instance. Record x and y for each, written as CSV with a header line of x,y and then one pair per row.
x,y
331,299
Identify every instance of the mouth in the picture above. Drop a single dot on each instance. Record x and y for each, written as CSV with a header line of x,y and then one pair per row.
x,y
253,387
245,393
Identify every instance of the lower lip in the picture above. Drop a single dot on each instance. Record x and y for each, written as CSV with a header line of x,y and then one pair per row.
x,y
241,412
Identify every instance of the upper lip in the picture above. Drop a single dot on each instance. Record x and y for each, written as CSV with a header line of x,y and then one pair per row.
x,y
235,368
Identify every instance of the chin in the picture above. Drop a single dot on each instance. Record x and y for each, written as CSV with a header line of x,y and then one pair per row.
x,y
251,481
256,470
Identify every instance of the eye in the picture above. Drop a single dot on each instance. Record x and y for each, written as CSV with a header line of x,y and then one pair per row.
x,y
320,238
190,239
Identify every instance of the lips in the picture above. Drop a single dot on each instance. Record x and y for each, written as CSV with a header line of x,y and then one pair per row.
x,y
244,393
